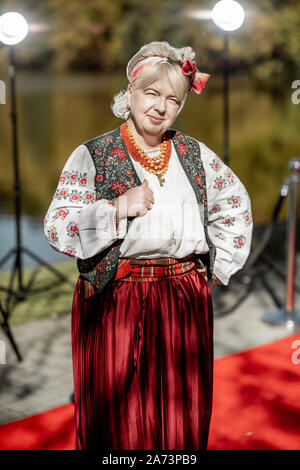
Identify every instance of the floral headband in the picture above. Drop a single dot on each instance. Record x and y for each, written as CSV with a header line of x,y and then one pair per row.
x,y
197,79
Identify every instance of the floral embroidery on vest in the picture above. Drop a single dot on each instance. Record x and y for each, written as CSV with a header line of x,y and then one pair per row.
x,y
115,174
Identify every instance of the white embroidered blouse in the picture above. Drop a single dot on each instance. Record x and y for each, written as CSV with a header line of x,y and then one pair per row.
x,y
80,226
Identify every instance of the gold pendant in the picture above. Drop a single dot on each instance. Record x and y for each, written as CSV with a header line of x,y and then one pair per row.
x,y
160,179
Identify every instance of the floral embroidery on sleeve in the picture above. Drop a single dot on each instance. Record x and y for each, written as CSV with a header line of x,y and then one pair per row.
x,y
229,176
61,193
72,229
219,183
215,208
73,177
234,201
239,241
70,250
229,213
74,195
228,221
52,235
216,164
221,236
247,218
62,213
76,224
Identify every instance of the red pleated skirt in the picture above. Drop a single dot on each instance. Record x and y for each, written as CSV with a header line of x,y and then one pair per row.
x,y
143,364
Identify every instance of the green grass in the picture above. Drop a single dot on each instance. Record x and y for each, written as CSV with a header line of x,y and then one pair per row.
x,y
48,297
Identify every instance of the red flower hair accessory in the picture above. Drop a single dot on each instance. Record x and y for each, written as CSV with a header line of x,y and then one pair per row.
x,y
197,78
188,67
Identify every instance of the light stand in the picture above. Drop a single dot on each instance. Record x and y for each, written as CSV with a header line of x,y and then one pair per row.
x,y
226,98
228,15
21,291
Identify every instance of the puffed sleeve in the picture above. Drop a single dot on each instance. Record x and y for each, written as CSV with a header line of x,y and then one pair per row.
x,y
229,216
76,223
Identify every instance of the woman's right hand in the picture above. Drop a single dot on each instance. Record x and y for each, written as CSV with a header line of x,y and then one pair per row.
x,y
135,202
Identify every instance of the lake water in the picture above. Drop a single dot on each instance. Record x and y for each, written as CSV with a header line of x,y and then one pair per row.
x,y
56,113
32,238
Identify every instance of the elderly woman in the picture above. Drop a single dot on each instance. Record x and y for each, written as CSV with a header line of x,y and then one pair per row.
x,y
152,216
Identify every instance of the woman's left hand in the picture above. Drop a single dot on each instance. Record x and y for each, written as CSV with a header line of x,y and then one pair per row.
x,y
202,271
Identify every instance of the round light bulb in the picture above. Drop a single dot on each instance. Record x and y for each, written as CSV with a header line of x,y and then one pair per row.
x,y
228,15
13,28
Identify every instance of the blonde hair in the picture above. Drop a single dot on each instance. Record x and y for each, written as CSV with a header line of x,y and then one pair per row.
x,y
171,68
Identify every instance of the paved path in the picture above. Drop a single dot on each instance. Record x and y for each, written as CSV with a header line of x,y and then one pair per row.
x,y
44,379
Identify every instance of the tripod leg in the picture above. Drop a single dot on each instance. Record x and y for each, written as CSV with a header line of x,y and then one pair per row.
x,y
48,266
269,289
6,257
238,303
274,268
32,278
11,282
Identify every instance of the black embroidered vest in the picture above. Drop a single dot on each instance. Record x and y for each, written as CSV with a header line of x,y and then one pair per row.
x,y
116,174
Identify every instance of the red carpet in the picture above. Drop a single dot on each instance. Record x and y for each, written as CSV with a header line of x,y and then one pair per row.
x,y
256,406
51,430
256,401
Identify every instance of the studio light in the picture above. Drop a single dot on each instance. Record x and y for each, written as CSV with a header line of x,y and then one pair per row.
x,y
228,15
13,28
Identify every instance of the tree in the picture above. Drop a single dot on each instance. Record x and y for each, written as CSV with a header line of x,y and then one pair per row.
x,y
104,34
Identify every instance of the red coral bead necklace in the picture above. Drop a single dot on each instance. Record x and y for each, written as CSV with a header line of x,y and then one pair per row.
x,y
157,165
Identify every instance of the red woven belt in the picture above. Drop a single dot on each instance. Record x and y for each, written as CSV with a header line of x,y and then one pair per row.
x,y
147,270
